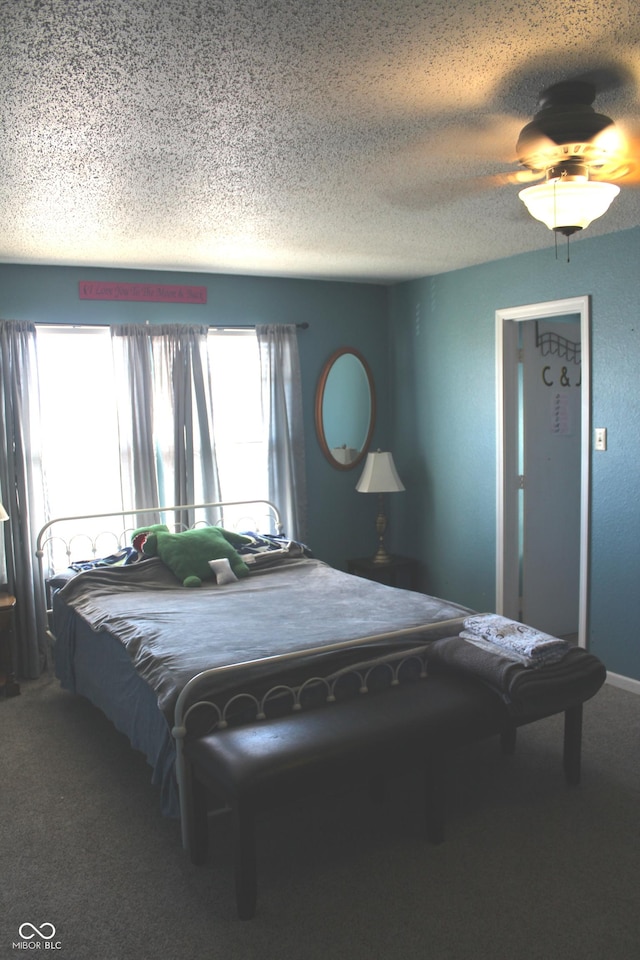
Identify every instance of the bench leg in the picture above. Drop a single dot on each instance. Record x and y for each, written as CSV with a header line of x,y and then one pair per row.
x,y
572,743
435,797
245,862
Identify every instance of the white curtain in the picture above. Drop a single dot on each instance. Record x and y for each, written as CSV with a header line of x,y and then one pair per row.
x,y
282,414
165,415
134,376
22,491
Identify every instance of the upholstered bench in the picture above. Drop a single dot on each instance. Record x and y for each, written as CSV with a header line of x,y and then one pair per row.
x,y
330,747
327,748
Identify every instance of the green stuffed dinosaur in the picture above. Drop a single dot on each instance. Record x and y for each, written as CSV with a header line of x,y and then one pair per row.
x,y
187,554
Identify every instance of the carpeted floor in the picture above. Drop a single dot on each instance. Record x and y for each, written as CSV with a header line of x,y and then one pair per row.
x,y
531,869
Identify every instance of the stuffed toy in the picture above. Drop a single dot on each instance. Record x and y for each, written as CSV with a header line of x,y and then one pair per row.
x,y
188,554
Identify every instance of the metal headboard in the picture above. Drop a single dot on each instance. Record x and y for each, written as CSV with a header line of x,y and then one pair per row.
x,y
66,532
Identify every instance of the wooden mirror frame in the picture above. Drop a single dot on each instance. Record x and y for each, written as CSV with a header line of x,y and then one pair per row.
x,y
320,392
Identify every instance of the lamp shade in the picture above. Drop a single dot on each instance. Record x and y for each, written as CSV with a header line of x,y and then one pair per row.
x,y
568,205
3,514
379,475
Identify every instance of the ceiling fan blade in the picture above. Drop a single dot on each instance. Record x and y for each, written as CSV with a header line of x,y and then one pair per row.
x,y
627,174
491,140
620,148
488,140
426,172
438,192
541,150
521,177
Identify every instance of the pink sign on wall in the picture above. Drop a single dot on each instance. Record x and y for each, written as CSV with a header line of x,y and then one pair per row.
x,y
144,292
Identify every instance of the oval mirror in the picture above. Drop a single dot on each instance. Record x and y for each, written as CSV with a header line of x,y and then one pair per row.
x,y
345,408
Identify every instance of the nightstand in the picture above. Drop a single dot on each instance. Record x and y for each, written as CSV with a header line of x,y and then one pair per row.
x,y
8,685
399,572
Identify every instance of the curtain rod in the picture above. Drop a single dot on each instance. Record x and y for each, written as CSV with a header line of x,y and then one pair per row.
x,y
212,326
253,326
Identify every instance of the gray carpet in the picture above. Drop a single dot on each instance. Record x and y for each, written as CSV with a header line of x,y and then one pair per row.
x,y
531,869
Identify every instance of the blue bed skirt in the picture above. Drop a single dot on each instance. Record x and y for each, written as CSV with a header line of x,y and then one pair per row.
x,y
95,665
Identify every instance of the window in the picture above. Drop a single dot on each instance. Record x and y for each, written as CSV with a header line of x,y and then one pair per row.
x,y
81,445
240,436
79,422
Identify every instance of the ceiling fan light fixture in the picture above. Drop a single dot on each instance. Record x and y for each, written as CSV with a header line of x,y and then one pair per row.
x,y
567,206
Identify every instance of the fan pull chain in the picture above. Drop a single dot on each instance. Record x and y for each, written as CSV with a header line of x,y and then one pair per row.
x,y
555,237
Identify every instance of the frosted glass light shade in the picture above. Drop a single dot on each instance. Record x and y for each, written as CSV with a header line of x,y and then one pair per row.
x,y
379,475
566,204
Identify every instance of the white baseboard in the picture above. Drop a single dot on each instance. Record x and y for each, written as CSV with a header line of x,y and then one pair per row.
x,y
625,683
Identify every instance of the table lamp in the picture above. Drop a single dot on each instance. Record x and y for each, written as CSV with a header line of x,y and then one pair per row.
x,y
380,476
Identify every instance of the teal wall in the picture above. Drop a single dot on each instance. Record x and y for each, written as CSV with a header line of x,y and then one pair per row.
x,y
444,389
341,521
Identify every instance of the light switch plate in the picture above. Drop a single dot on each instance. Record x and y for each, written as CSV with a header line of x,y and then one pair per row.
x,y
600,438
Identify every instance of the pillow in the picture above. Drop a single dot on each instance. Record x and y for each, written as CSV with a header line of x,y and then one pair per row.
x,y
222,570
187,554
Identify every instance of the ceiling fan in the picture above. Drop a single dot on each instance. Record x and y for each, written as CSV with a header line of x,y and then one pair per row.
x,y
578,152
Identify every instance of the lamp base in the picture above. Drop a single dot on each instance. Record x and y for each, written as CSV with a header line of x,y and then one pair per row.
x,y
381,557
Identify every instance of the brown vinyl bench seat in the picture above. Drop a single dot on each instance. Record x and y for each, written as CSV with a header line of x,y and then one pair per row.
x,y
330,747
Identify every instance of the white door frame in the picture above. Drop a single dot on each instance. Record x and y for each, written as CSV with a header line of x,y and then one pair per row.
x,y
507,464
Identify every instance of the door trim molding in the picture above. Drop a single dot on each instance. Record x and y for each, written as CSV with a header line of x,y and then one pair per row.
x,y
506,470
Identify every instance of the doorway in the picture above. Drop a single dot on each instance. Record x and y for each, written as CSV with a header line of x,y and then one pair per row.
x,y
543,450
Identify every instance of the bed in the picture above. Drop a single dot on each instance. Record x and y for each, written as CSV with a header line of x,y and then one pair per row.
x,y
143,648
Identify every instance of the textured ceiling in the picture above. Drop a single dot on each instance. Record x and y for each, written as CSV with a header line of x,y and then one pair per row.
x,y
346,139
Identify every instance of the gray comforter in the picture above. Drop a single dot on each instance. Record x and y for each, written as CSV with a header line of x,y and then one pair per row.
x,y
173,633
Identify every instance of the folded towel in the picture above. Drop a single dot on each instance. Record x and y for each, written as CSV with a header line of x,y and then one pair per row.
x,y
517,641
526,693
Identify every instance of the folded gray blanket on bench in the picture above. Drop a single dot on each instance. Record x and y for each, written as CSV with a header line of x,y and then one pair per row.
x,y
518,641
526,693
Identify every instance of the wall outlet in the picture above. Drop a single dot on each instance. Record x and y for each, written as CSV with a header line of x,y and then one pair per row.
x,y
600,438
